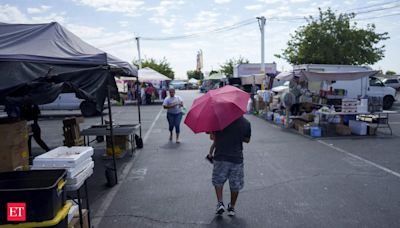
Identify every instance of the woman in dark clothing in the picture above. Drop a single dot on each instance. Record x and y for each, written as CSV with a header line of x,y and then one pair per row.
x,y
32,112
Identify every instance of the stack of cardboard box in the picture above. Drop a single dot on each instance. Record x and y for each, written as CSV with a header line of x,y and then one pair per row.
x,y
14,152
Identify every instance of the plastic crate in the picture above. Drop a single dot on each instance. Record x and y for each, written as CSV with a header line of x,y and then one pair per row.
x,y
59,221
315,132
41,190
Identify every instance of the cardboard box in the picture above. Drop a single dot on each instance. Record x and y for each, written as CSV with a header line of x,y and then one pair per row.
x,y
121,144
297,123
371,129
75,221
343,129
14,151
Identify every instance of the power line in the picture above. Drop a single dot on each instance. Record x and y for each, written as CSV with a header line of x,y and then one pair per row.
x,y
381,16
370,6
376,10
217,30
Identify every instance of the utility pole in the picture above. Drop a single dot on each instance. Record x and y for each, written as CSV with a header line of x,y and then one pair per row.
x,y
261,24
138,49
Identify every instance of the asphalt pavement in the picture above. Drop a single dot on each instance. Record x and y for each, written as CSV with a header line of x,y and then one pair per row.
x,y
290,180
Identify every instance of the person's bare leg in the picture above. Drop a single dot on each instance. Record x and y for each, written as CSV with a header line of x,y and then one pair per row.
x,y
177,138
234,196
218,192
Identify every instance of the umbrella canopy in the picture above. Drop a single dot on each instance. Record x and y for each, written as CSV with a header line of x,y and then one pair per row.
x,y
217,109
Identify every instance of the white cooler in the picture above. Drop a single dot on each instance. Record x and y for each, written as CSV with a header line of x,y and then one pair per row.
x,y
64,157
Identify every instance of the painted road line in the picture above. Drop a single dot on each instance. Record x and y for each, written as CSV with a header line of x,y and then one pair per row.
x,y
108,199
361,159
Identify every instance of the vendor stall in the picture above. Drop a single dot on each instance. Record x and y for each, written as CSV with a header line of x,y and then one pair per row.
x,y
325,103
38,62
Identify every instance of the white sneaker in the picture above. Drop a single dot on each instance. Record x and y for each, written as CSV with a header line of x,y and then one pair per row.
x,y
231,210
220,208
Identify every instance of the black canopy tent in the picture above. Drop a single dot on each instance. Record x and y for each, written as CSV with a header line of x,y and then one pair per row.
x,y
40,61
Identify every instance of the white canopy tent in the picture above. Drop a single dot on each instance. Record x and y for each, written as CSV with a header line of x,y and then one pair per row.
x,y
193,80
148,75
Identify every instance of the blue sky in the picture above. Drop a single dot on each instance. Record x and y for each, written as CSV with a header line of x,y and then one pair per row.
x,y
112,24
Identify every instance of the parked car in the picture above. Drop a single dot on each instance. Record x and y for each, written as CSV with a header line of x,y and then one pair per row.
x,y
178,84
392,82
68,101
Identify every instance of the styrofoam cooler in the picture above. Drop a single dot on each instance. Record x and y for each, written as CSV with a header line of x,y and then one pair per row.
x,y
88,171
71,172
63,157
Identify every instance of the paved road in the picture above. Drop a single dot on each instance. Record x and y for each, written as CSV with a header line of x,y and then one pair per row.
x,y
291,180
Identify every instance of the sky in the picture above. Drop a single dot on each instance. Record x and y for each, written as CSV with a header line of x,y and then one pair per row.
x,y
178,29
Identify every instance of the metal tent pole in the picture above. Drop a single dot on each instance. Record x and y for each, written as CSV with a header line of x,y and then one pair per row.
x,y
138,105
112,133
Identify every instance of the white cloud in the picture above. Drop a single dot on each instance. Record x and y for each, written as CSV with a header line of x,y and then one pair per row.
x,y
270,1
11,14
127,7
50,18
222,1
41,9
253,7
123,23
299,1
163,16
203,20
86,32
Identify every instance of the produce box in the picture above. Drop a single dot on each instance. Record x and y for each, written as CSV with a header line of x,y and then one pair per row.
x,y
121,144
14,152
342,129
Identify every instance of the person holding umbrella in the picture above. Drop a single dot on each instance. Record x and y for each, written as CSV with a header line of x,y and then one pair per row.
x,y
174,105
220,112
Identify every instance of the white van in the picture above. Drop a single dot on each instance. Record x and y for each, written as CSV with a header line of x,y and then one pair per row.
x,y
68,101
354,88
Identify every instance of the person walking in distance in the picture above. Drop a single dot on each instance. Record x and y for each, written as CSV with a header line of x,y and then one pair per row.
x,y
31,112
228,161
174,105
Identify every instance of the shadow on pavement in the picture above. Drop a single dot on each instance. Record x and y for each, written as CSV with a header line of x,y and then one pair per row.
x,y
226,221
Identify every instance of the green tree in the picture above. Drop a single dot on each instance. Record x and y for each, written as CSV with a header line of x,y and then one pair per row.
x,y
390,72
161,66
213,72
331,39
194,74
227,67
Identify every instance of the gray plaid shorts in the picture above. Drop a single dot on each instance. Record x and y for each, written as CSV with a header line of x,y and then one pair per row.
x,y
224,170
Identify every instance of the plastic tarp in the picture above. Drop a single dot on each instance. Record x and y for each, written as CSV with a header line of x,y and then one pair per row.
x,y
40,61
337,76
250,79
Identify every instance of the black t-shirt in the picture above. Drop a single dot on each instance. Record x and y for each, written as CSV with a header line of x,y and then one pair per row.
x,y
229,141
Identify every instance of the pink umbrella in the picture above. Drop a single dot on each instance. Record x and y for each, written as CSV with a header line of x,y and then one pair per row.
x,y
217,109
